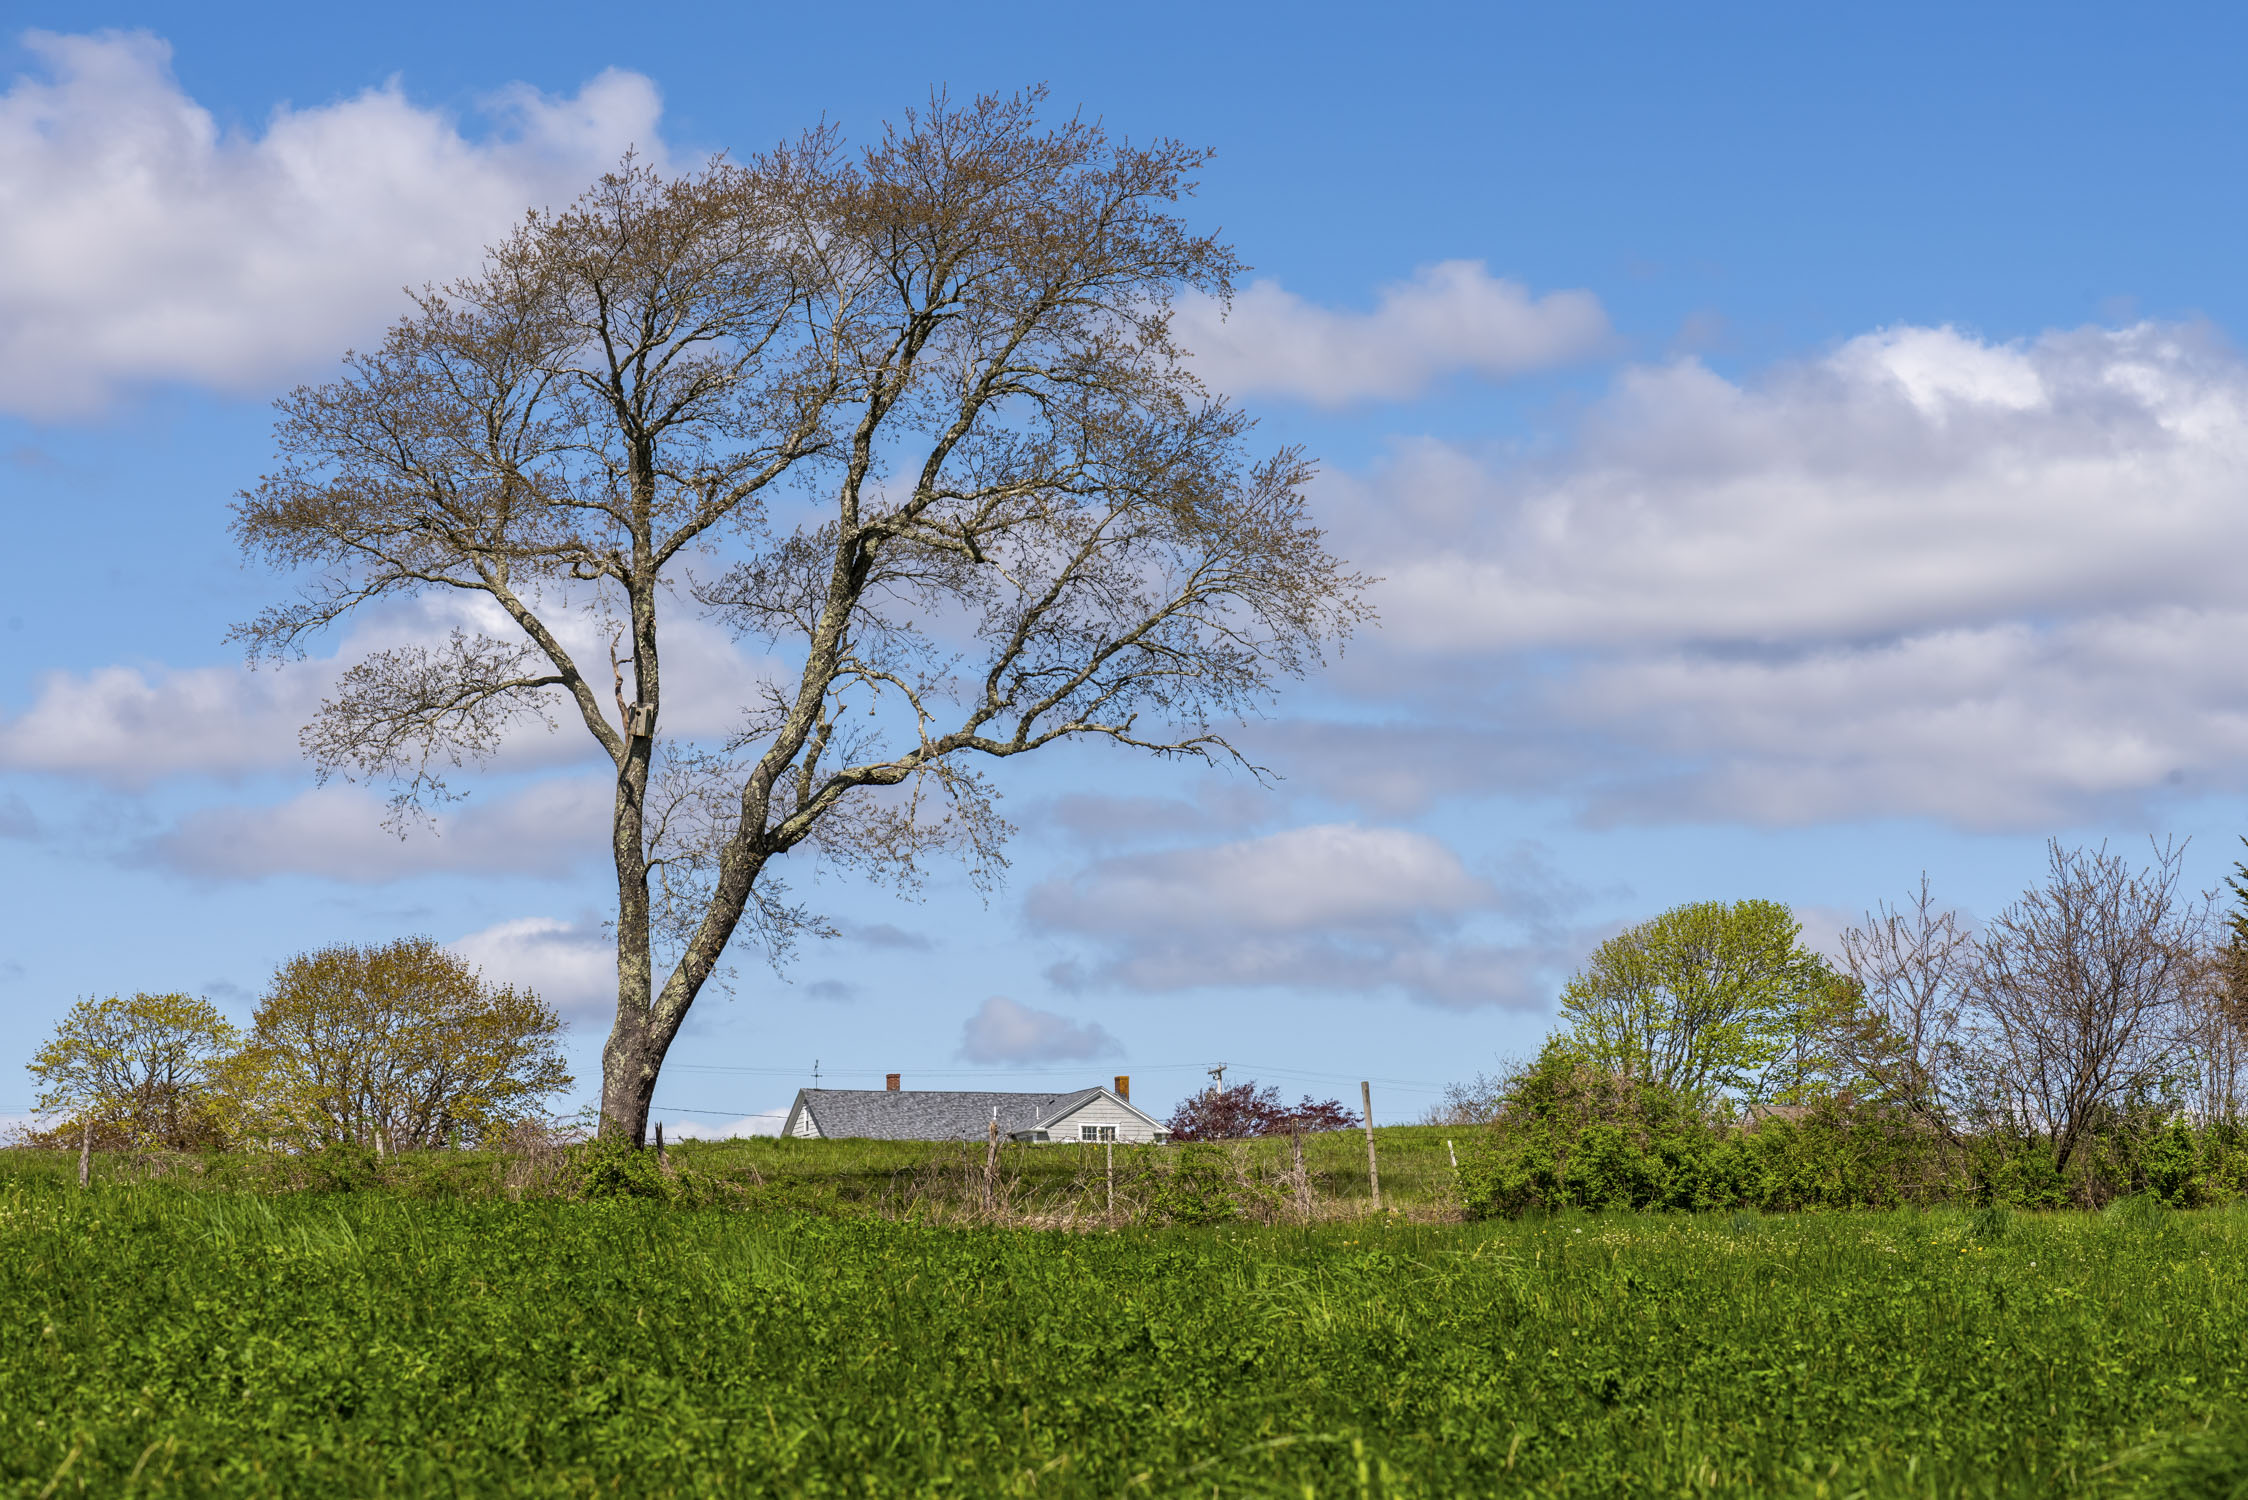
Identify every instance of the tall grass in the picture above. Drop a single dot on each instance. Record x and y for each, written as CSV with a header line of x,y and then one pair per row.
x,y
1048,1185
161,1340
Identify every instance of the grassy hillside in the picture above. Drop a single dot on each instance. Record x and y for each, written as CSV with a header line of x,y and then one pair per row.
x,y
889,1178
157,1340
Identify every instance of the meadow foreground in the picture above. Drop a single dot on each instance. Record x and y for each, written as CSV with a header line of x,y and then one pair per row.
x,y
168,1340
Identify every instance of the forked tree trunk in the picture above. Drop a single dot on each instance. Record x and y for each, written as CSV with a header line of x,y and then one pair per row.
x,y
630,1065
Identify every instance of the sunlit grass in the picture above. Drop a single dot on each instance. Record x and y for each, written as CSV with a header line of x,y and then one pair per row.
x,y
234,1343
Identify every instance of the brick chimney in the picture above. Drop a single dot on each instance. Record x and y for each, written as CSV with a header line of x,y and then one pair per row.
x,y
890,1082
1124,1087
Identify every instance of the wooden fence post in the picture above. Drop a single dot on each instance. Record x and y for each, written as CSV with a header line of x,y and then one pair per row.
x,y
1296,1170
1373,1168
86,1152
659,1143
1110,1148
991,1166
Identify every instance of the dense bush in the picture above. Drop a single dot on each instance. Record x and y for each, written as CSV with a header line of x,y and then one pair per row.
x,y
1566,1135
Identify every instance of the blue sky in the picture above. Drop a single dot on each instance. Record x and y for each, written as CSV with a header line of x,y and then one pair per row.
x,y
1801,450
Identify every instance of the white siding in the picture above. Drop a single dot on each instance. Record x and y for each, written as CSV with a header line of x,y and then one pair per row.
x,y
804,1128
1130,1124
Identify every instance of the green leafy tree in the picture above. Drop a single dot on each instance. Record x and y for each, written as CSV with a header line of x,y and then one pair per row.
x,y
403,1045
1706,998
141,1068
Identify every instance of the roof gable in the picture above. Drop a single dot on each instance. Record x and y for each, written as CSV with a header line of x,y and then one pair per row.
x,y
1071,1103
925,1114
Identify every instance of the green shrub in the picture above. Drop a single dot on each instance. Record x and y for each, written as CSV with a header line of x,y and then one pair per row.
x,y
340,1167
1197,1190
604,1169
1569,1136
2172,1167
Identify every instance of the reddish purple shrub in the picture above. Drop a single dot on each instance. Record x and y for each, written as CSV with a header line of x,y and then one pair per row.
x,y
1245,1110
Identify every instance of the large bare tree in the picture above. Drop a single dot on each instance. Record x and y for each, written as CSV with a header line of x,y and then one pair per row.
x,y
912,416
2084,987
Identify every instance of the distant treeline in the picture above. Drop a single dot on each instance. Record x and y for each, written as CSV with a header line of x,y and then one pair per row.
x,y
1571,1136
2090,1042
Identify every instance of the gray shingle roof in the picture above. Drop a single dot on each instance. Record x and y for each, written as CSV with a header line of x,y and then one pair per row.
x,y
928,1114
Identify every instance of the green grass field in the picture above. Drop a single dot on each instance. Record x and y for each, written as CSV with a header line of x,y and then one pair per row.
x,y
894,1179
169,1339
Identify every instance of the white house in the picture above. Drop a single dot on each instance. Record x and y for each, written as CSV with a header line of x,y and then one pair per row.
x,y
900,1114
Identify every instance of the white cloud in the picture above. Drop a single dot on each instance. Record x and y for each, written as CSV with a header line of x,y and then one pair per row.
x,y
134,726
549,828
1916,478
141,242
572,965
1335,907
1925,575
130,726
1334,876
1453,317
1001,1031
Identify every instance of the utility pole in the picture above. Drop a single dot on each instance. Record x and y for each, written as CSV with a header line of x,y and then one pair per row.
x,y
1217,1073
1373,1168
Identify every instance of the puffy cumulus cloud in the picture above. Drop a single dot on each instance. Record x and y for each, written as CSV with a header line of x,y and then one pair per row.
x,y
572,965
2014,726
1914,479
550,828
131,726
141,242
1925,575
1335,907
1452,318
1334,876
1001,1031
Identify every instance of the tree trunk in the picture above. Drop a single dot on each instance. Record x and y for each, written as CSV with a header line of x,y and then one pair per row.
x,y
630,1064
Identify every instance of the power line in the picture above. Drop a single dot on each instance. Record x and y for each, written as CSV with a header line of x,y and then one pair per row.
x,y
723,1114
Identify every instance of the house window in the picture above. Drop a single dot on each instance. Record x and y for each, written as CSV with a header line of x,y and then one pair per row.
x,y
1096,1132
